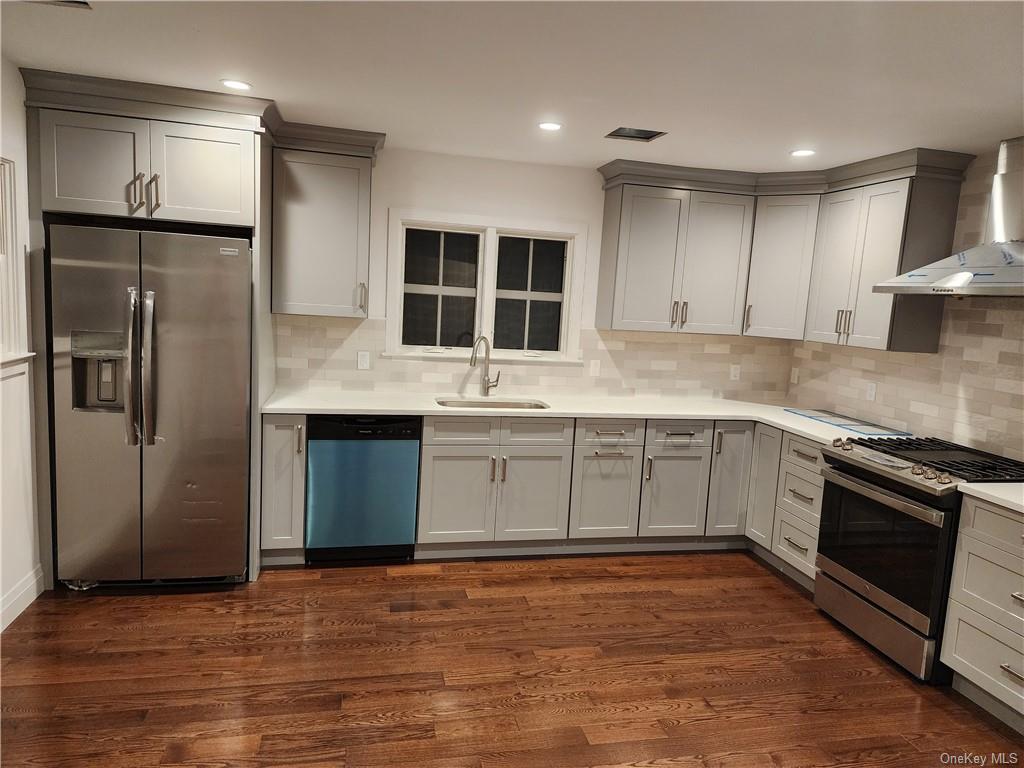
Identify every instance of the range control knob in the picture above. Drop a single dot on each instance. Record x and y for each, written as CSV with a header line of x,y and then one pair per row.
x,y
930,474
917,469
837,443
944,479
847,446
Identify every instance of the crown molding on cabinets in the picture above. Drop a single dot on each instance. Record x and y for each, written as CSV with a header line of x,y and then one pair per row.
x,y
918,162
320,138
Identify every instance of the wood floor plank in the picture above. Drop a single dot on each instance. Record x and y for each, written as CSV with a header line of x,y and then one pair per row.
x,y
573,662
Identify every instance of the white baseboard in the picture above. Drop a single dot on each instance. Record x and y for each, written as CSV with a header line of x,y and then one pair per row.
x,y
20,596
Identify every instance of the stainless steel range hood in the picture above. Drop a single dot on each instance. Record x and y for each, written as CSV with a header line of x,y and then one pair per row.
x,y
995,268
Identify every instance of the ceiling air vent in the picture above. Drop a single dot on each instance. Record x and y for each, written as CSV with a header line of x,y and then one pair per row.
x,y
634,134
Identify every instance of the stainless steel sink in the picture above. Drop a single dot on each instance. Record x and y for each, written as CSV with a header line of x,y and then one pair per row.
x,y
489,402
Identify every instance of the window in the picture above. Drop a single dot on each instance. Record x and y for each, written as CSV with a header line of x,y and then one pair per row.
x,y
452,279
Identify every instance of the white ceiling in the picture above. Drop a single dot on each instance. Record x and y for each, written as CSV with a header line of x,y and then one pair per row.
x,y
736,85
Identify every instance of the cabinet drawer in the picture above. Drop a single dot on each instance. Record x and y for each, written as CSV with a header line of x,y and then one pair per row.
x,y
795,541
799,492
610,431
461,430
1002,528
986,653
534,430
989,581
803,453
680,434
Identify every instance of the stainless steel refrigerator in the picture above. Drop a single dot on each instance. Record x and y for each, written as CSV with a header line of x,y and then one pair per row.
x,y
150,374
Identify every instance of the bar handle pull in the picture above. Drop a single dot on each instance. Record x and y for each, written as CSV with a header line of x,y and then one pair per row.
x,y
138,186
675,311
804,498
131,428
806,456
494,468
609,454
1010,670
650,468
298,439
679,434
504,468
602,432
839,321
686,313
746,317
363,296
155,181
849,322
795,545
719,436
148,417
1018,596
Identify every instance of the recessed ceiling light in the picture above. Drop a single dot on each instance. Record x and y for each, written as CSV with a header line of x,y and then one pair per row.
x,y
801,153
237,85
550,126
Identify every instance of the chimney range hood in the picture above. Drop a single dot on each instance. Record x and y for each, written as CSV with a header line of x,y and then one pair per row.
x,y
995,268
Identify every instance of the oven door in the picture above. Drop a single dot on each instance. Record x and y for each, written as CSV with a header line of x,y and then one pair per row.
x,y
885,547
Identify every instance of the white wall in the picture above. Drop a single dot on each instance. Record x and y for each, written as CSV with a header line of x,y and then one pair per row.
x,y
21,573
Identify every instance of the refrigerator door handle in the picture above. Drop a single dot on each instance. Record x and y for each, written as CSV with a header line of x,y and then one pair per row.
x,y
131,432
148,433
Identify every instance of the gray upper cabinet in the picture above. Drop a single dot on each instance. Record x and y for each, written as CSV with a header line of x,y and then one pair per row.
x,y
835,257
605,492
674,497
780,266
730,478
715,264
93,163
200,173
321,256
764,479
533,493
120,166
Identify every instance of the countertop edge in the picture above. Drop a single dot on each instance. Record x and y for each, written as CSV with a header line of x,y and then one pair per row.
x,y
1000,496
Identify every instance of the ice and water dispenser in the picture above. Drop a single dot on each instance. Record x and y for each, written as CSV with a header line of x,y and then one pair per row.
x,y
97,371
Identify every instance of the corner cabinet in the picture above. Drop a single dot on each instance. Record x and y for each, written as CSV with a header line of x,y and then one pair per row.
x,y
674,260
764,480
730,478
283,512
119,166
321,255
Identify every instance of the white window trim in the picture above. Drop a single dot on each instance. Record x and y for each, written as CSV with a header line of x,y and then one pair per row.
x,y
489,228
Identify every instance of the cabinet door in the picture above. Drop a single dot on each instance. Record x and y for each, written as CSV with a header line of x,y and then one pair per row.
x,y
321,258
715,266
780,266
533,493
764,479
201,174
730,478
605,492
93,163
458,494
879,244
283,511
835,250
652,234
674,499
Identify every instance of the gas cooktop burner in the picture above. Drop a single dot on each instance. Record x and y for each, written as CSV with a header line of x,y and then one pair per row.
x,y
968,464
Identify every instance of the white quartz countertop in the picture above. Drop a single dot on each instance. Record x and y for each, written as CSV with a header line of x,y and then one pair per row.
x,y
1009,495
323,400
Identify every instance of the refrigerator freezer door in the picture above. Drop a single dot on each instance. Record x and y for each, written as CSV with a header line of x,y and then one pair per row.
x,y
195,405
97,468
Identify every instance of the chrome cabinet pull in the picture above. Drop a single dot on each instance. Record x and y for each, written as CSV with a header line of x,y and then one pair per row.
x,y
364,296
802,497
795,545
600,432
675,311
504,468
746,317
650,468
609,454
298,438
148,416
1018,596
839,321
138,186
680,434
849,321
686,313
1010,670
131,429
805,456
719,436
155,181
494,468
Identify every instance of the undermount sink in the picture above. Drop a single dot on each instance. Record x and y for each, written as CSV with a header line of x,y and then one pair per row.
x,y
489,402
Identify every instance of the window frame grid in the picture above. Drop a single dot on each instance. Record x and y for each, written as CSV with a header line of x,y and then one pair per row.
x,y
530,295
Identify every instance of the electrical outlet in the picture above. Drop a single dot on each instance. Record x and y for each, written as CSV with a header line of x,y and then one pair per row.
x,y
734,373
794,375
595,368
872,390
363,361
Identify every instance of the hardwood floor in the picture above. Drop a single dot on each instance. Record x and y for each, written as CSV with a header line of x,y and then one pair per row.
x,y
693,660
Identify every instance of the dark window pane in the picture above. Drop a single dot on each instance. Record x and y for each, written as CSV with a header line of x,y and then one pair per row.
x,y
545,321
457,321
422,256
460,256
419,319
513,263
509,323
548,266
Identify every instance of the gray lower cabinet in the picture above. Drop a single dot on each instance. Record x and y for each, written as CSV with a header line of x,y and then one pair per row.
x,y
764,479
605,492
730,478
533,493
283,496
458,493
674,498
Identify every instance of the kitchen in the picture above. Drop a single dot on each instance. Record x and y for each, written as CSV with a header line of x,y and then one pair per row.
x,y
349,437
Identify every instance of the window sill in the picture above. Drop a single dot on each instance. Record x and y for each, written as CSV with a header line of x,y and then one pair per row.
x,y
497,357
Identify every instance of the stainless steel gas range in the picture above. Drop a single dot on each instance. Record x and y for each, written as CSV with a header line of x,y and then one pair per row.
x,y
889,517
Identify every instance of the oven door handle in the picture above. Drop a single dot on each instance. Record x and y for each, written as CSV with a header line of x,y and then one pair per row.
x,y
891,500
